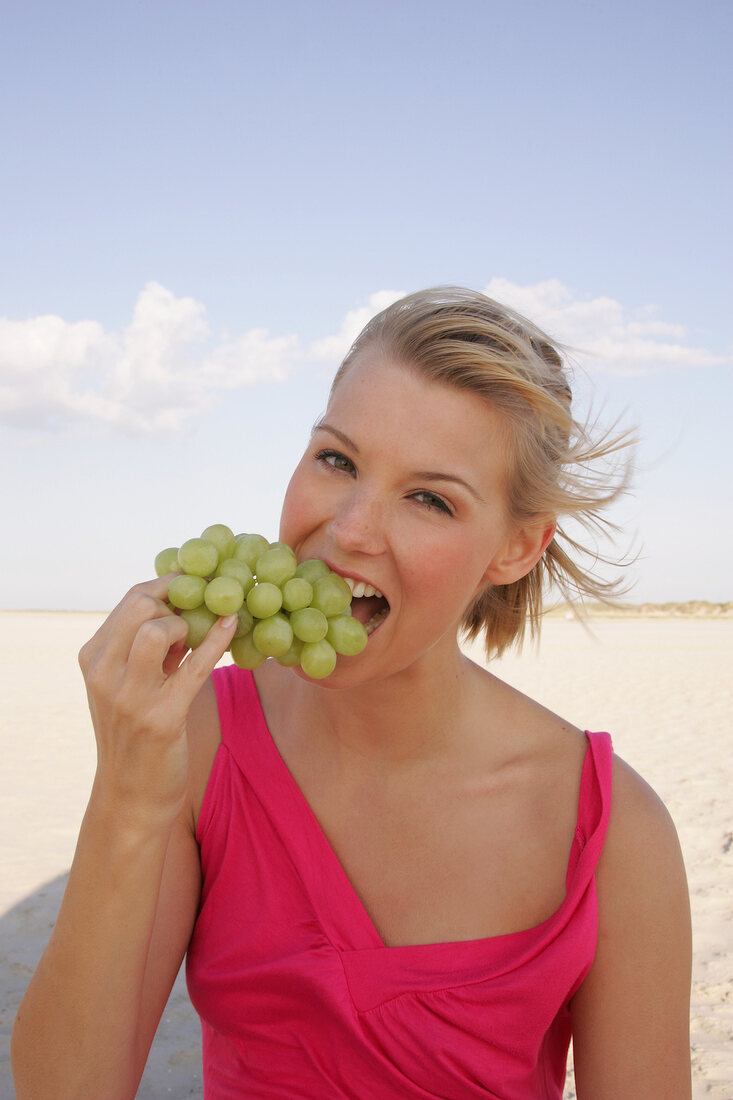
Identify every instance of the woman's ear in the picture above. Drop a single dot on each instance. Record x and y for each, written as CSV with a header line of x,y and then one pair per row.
x,y
521,552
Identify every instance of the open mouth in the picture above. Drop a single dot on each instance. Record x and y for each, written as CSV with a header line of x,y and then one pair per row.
x,y
368,605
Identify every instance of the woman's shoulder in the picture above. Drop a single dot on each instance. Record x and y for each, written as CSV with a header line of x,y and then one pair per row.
x,y
641,845
642,850
640,827
527,726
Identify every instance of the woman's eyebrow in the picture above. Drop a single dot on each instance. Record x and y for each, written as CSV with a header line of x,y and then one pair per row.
x,y
324,427
421,475
430,475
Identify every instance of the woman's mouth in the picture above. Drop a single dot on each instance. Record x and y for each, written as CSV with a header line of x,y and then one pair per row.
x,y
368,605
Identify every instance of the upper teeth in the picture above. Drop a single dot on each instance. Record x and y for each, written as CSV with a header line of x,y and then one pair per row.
x,y
359,588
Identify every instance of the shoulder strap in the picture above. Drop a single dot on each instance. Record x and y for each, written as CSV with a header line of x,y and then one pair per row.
x,y
237,699
594,803
244,730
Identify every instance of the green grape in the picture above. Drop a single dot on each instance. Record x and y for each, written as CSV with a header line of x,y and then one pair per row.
x,y
245,622
167,562
222,538
187,592
276,566
296,613
297,593
224,596
309,624
292,657
198,557
273,636
347,635
264,600
233,567
312,569
244,654
318,659
331,595
200,621
249,548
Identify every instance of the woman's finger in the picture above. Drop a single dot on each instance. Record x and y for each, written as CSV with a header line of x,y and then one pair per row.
x,y
153,641
116,634
188,680
175,655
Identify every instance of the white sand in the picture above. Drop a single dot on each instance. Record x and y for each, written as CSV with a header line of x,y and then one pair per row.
x,y
663,687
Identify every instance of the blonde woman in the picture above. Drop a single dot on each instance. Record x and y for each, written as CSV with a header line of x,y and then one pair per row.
x,y
406,880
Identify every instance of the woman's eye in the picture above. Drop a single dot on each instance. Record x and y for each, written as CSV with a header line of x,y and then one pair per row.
x,y
335,460
432,501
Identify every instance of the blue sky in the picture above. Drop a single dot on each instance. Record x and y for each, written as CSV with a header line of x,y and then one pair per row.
x,y
199,204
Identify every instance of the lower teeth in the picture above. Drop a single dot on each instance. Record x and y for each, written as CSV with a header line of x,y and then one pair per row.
x,y
376,619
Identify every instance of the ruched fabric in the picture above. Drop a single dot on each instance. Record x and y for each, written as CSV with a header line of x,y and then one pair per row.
x,y
299,997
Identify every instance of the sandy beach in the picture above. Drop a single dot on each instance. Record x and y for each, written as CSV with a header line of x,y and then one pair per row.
x,y
662,686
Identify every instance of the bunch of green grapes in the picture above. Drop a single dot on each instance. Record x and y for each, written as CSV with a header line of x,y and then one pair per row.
x,y
300,614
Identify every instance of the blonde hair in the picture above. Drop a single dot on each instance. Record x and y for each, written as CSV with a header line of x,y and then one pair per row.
x,y
464,339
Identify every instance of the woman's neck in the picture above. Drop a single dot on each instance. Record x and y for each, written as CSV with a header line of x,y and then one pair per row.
x,y
415,714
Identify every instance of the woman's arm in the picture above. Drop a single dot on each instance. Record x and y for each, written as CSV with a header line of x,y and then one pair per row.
x,y
631,1015
89,1015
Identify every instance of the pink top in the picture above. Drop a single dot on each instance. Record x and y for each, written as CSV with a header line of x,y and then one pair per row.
x,y
300,998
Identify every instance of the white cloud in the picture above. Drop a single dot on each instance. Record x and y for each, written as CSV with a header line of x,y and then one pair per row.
x,y
330,350
251,358
155,342
32,346
165,367
151,377
599,331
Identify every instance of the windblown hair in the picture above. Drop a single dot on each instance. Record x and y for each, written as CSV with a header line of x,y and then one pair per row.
x,y
556,468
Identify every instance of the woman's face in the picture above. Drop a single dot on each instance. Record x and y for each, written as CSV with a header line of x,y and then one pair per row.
x,y
402,489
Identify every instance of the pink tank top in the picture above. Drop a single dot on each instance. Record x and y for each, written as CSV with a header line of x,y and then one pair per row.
x,y
301,1000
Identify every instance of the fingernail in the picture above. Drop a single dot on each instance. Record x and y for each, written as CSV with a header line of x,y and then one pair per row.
x,y
227,621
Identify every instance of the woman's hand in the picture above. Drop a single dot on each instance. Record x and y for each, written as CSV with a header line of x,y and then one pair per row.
x,y
89,1014
140,690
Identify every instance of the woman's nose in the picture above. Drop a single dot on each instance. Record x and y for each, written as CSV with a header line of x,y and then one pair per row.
x,y
358,524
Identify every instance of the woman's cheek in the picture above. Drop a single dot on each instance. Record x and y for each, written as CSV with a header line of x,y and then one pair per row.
x,y
288,523
450,579
298,516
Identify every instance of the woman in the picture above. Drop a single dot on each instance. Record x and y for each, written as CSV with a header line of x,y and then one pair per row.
x,y
407,880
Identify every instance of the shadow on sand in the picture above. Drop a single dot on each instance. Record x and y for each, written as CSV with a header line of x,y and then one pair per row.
x,y
174,1066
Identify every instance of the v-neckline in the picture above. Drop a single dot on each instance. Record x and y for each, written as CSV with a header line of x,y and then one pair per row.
x,y
340,907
